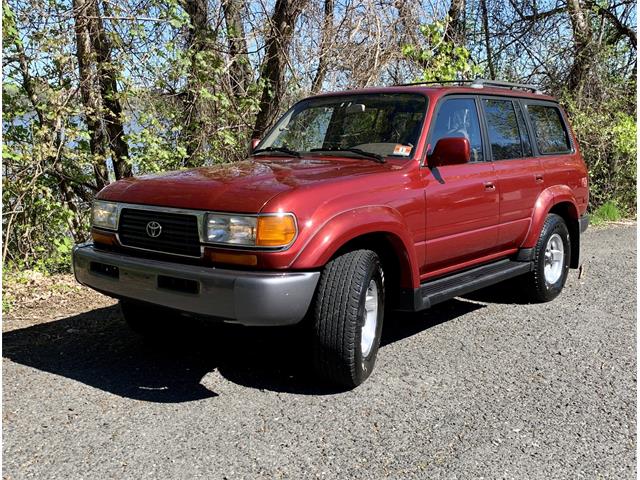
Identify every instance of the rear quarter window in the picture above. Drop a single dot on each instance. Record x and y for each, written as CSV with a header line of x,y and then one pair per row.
x,y
549,129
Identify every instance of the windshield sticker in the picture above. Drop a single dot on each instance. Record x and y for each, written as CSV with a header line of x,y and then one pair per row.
x,y
402,150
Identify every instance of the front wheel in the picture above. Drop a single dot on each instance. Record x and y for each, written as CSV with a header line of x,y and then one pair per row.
x,y
552,256
347,318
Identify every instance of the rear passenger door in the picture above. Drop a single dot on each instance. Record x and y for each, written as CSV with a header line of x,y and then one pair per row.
x,y
519,173
552,143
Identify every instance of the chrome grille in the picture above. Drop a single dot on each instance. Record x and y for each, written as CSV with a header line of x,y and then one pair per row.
x,y
178,235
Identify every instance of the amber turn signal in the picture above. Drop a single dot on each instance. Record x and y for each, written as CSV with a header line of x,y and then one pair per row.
x,y
104,238
275,230
231,258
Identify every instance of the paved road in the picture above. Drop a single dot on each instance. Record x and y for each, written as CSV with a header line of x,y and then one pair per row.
x,y
476,388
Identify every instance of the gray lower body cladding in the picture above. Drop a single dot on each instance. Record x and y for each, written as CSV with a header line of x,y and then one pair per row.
x,y
247,298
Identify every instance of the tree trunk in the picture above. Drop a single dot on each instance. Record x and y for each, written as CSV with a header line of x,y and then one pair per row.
x,y
107,78
582,38
283,22
410,21
487,39
197,42
240,69
325,42
89,92
455,31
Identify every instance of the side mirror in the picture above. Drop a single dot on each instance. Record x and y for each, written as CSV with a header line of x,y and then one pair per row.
x,y
254,143
450,151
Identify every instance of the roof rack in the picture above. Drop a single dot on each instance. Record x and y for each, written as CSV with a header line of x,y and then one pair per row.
x,y
480,83
443,82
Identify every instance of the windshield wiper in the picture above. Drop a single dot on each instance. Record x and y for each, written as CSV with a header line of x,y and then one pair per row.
x,y
373,156
286,150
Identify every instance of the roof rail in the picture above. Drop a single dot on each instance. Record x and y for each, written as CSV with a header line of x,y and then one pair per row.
x,y
479,83
443,82
482,82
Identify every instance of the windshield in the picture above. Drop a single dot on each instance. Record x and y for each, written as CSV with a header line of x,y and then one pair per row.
x,y
386,125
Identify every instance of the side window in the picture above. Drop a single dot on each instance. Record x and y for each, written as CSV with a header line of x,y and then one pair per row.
x,y
524,132
502,127
458,117
548,126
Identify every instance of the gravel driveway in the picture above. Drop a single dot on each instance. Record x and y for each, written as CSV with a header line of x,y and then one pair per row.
x,y
478,387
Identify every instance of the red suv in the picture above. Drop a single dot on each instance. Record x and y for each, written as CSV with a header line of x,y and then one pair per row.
x,y
355,203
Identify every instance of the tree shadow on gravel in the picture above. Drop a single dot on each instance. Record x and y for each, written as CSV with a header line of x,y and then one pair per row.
x,y
98,349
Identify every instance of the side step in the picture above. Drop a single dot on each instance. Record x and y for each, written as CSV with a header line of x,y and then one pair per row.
x,y
441,289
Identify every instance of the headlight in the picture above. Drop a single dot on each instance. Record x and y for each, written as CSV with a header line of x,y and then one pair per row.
x,y
104,215
261,231
234,230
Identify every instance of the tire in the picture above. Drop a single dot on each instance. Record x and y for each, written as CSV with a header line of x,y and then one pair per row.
x,y
347,318
145,319
549,274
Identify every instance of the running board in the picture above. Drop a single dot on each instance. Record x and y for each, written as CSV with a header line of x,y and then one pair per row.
x,y
437,291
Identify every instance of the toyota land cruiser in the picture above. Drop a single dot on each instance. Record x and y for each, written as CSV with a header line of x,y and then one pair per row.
x,y
353,204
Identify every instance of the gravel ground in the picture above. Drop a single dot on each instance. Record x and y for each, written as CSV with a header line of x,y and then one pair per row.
x,y
478,387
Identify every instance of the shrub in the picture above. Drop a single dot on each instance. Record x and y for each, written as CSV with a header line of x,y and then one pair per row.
x,y
607,212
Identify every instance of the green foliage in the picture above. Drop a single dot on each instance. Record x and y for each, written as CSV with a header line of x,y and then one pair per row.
x,y
441,60
7,304
607,212
168,92
606,130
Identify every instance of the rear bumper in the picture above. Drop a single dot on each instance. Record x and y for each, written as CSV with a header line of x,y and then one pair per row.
x,y
247,298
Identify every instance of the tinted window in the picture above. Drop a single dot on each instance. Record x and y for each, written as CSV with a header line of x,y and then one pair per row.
x,y
524,132
458,117
548,128
308,131
503,130
386,124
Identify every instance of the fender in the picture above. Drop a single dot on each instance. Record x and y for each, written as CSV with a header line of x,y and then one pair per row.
x,y
544,203
350,224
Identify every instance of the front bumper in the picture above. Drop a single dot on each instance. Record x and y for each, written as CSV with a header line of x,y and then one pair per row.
x,y
247,298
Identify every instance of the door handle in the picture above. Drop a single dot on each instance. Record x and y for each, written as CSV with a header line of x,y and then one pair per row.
x,y
539,178
489,186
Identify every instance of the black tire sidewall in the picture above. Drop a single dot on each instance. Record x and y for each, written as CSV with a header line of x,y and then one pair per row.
x,y
554,224
338,317
366,364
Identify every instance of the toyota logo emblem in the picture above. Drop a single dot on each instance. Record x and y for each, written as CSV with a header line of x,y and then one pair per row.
x,y
154,229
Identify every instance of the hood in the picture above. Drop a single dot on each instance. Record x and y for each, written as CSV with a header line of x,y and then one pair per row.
x,y
242,187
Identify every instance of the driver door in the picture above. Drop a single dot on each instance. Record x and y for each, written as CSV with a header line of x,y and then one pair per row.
x,y
462,201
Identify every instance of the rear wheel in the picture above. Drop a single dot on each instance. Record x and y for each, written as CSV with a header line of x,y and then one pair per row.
x,y
347,318
552,256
